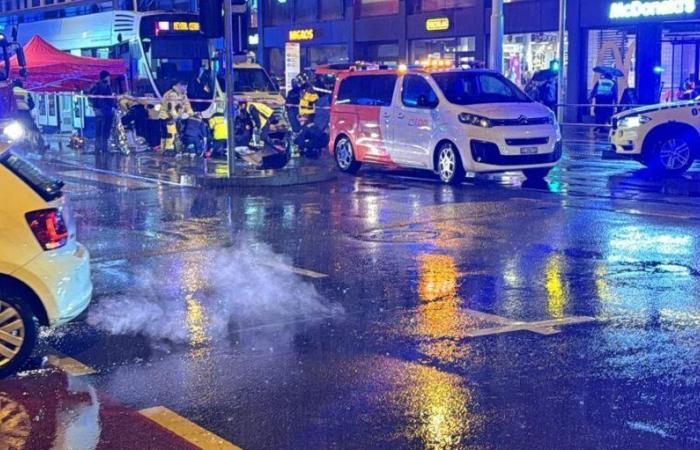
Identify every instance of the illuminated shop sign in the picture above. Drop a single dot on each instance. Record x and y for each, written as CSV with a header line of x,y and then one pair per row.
x,y
437,24
306,34
657,8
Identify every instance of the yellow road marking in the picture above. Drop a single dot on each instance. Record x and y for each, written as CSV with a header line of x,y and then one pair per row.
x,y
191,432
70,366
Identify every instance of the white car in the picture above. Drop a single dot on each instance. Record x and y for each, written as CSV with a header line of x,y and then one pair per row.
x,y
664,137
447,121
44,271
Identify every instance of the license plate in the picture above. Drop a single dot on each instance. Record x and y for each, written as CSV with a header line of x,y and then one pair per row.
x,y
528,150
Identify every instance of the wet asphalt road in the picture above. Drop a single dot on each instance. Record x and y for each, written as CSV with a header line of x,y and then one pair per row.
x,y
389,311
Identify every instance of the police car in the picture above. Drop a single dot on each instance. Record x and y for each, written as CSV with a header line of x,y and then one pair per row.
x,y
664,137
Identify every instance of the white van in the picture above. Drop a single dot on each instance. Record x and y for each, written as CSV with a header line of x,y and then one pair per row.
x,y
447,121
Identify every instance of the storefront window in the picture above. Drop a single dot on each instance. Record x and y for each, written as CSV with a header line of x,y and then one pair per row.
x,y
331,9
275,58
378,7
324,54
380,53
460,50
680,61
434,5
614,48
525,54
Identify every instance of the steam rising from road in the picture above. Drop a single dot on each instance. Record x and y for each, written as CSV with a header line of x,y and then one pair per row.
x,y
197,297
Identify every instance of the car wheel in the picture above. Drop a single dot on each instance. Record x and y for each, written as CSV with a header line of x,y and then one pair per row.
x,y
672,153
345,156
536,174
449,164
17,333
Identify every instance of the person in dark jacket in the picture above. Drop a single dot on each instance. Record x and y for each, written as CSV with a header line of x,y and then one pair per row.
x,y
104,111
605,95
292,101
194,135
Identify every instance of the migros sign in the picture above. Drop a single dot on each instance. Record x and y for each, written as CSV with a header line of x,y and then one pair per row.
x,y
306,34
656,8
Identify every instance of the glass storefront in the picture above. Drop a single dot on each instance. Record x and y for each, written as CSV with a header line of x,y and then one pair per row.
x,y
524,54
311,56
680,61
379,52
461,50
612,48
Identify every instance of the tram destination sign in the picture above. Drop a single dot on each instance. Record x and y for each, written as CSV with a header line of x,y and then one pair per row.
x,y
647,9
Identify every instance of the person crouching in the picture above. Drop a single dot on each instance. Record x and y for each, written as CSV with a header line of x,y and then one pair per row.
x,y
195,134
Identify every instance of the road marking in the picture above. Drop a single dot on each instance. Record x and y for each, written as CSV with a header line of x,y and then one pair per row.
x,y
272,264
187,430
543,327
297,270
70,366
124,175
109,178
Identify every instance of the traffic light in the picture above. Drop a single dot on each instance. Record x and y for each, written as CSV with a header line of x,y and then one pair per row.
x,y
211,19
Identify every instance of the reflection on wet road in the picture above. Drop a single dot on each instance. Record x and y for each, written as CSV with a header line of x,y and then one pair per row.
x,y
383,311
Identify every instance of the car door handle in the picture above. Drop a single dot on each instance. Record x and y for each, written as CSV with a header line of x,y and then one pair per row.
x,y
400,115
387,115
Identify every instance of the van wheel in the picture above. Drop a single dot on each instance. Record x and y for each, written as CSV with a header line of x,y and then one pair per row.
x,y
536,174
17,333
449,164
671,153
345,156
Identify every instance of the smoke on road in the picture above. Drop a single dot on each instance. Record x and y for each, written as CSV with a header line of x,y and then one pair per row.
x,y
198,296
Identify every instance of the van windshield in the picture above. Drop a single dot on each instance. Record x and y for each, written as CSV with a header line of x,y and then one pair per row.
x,y
48,188
471,88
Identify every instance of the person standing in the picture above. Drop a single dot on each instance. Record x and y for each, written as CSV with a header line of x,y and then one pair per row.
x,y
605,95
175,106
103,106
292,101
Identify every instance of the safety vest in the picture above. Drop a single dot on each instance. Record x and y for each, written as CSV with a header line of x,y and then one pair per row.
x,y
21,98
307,104
218,128
605,88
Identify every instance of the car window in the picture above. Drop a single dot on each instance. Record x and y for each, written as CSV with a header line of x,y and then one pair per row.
x,y
371,90
470,88
414,88
48,188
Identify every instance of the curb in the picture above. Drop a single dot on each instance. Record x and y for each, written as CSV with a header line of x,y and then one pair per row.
x,y
269,178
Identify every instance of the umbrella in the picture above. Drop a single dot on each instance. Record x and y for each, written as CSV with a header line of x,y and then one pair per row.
x,y
544,75
607,70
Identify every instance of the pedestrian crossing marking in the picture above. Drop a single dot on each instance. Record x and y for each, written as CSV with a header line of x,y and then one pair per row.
x,y
70,366
189,431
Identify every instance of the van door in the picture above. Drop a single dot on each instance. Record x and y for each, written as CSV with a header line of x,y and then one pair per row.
x,y
414,113
372,131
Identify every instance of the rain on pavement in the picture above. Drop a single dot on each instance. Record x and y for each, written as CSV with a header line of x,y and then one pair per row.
x,y
380,311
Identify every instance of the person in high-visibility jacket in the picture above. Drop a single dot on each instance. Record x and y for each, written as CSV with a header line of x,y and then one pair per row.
x,y
175,106
307,103
219,131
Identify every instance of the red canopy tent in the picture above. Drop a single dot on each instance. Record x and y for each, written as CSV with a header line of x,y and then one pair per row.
x,y
51,70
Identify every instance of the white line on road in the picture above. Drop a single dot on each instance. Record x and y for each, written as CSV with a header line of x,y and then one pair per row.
x,y
543,327
70,366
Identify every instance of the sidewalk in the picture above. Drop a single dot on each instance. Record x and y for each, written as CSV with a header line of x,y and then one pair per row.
x,y
185,171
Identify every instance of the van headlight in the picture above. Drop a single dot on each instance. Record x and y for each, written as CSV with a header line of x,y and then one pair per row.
x,y
633,121
476,120
13,131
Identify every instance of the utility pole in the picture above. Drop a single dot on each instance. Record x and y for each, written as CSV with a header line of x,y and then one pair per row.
x,y
561,89
496,43
230,97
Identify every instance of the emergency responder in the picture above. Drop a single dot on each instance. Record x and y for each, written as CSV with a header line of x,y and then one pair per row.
x,y
307,104
103,106
605,95
25,104
175,106
293,98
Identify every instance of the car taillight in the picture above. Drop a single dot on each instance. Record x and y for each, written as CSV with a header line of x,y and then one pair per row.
x,y
48,228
